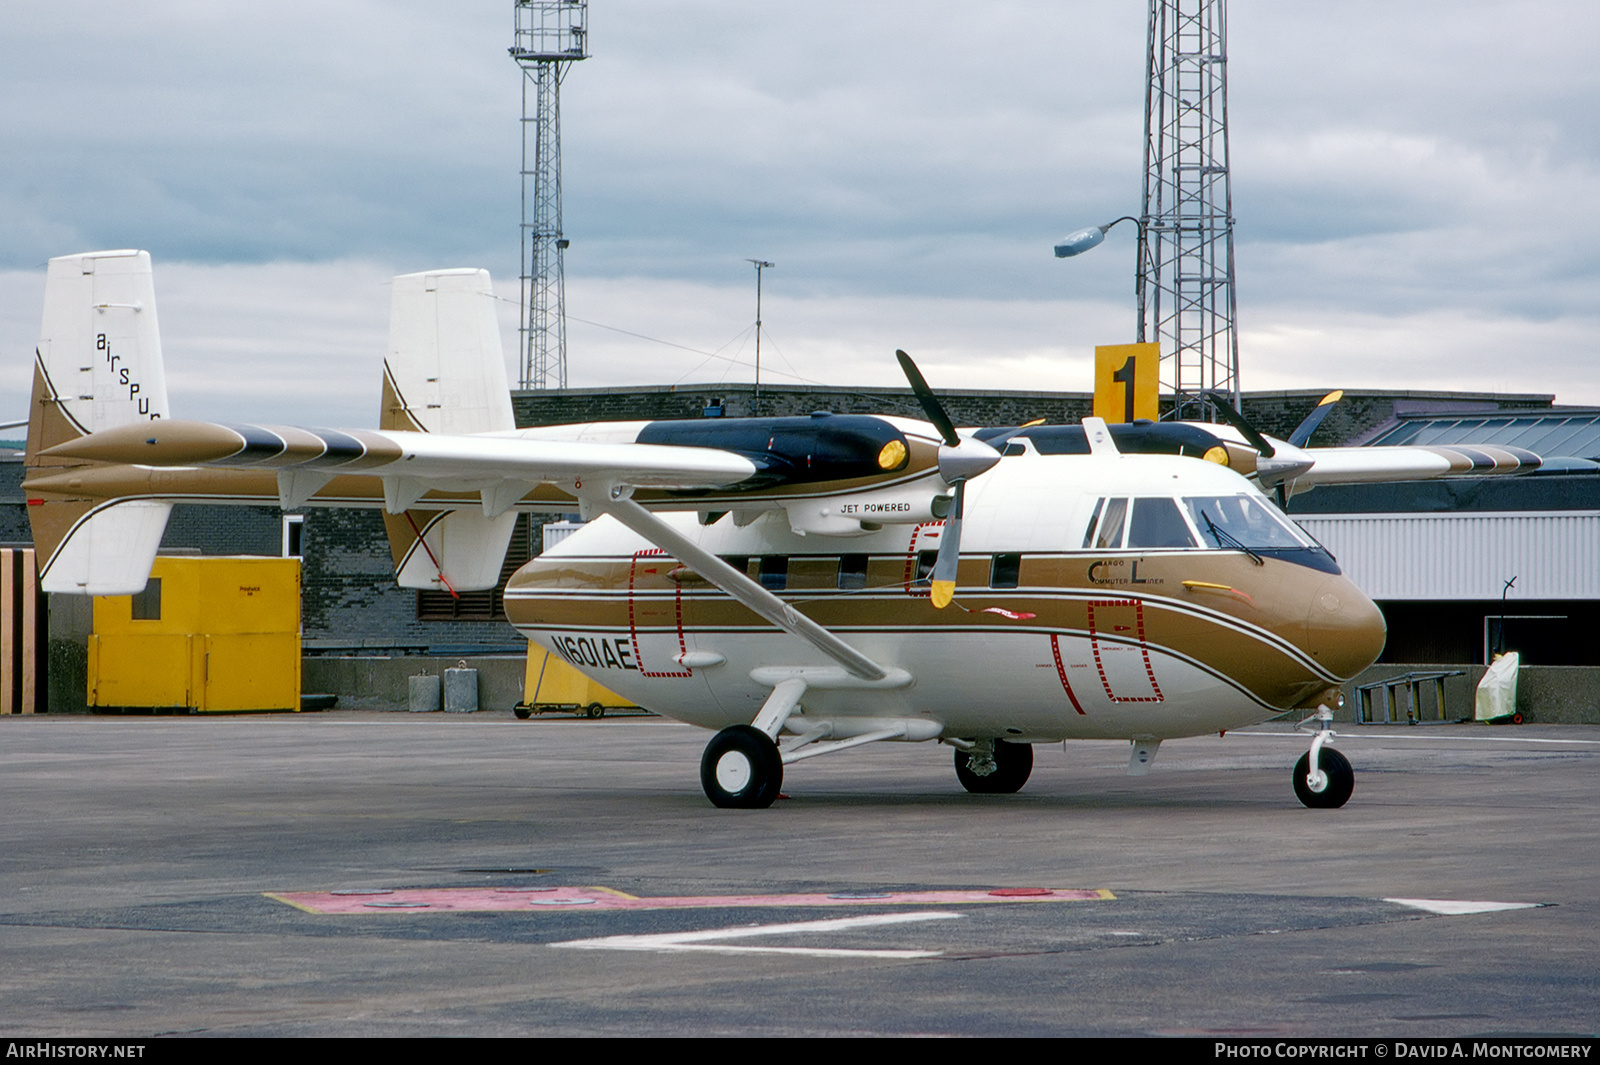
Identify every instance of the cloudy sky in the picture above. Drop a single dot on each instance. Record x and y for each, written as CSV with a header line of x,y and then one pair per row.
x,y
1414,187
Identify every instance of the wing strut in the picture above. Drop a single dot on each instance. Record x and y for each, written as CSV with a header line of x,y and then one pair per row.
x,y
741,587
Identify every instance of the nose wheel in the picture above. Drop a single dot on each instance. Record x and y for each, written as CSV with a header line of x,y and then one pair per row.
x,y
741,769
1338,780
1323,779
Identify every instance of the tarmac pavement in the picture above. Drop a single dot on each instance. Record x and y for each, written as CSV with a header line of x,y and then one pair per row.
x,y
174,875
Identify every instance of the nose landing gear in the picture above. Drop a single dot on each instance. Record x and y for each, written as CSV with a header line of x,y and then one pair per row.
x,y
1323,779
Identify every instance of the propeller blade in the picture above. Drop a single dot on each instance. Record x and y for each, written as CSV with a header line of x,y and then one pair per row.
x,y
999,442
958,460
943,587
930,404
1237,420
1302,432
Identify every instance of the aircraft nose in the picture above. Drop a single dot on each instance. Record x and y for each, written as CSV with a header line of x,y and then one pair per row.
x,y
1344,629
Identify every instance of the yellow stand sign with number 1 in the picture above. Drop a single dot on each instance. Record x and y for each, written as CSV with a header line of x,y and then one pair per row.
x,y
1125,382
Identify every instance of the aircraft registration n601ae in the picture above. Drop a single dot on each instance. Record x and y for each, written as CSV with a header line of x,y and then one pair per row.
x,y
801,585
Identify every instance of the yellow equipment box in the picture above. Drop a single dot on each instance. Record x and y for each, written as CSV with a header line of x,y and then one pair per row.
x,y
551,684
206,634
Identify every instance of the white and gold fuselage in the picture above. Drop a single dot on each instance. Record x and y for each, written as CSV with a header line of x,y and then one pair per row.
x,y
1062,627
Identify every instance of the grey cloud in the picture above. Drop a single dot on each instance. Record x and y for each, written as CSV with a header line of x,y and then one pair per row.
x,y
1392,159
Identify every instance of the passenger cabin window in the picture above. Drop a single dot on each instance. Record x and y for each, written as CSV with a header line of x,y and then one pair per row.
x,y
1158,523
1004,571
925,561
809,573
774,572
853,572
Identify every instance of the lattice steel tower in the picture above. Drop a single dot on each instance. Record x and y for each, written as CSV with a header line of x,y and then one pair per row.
x,y
550,36
1187,260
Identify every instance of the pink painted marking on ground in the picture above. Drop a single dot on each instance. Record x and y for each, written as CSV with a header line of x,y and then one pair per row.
x,y
569,899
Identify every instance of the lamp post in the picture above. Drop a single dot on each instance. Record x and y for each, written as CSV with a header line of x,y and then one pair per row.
x,y
1084,239
760,265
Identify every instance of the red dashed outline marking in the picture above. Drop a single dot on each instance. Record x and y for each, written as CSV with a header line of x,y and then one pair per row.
x,y
1061,671
1149,670
633,630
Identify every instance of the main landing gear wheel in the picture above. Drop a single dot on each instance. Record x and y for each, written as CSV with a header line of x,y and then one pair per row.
x,y
741,769
1339,783
1012,764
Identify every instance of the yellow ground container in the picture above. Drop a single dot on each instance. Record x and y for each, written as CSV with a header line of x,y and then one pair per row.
x,y
551,684
206,634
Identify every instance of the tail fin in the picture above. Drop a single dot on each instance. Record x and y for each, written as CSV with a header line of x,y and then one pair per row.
x,y
445,373
98,365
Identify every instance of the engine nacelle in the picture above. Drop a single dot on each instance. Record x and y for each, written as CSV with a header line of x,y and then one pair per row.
x,y
860,513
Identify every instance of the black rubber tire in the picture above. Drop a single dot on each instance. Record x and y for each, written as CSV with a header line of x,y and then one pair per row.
x,y
1341,780
752,784
594,711
1013,761
522,710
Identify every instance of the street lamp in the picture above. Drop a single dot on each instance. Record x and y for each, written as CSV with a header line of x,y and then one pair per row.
x,y
760,265
1084,239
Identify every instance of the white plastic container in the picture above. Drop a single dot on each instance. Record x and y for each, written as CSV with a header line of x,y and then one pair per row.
x,y
1497,691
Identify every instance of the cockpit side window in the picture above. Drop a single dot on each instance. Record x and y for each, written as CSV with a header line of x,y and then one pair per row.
x,y
1158,523
1248,522
1088,534
1110,535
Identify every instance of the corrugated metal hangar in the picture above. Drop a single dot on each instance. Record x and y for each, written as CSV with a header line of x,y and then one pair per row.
x,y
1437,556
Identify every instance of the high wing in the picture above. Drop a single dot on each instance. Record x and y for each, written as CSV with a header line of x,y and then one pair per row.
x,y
1291,470
1355,465
502,469
411,464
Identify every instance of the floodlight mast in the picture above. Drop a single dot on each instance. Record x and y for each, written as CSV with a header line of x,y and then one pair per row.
x,y
1188,203
550,35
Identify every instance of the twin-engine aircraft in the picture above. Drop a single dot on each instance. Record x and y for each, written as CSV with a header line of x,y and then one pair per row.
x,y
801,585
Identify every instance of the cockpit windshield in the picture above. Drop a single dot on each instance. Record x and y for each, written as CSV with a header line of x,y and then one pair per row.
x,y
1241,522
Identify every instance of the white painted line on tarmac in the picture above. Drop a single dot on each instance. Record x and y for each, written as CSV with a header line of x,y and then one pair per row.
x,y
1362,732
1457,907
707,940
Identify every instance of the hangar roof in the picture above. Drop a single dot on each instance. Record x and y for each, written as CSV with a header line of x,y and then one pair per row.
x,y
1553,435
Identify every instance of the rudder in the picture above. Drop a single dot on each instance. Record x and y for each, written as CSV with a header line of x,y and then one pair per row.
x,y
445,373
98,366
